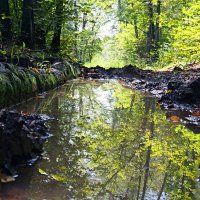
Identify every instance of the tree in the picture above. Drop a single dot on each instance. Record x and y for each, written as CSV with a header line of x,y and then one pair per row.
x,y
5,22
55,45
27,29
40,16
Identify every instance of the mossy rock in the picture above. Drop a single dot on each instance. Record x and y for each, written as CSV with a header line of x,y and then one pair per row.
x,y
6,90
19,83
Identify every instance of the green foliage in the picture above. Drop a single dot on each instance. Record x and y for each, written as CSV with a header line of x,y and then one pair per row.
x,y
151,33
177,26
107,58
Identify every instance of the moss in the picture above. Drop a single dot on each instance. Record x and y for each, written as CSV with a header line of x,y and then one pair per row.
x,y
22,83
7,90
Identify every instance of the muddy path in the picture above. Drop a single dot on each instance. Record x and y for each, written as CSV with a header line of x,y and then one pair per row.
x,y
175,89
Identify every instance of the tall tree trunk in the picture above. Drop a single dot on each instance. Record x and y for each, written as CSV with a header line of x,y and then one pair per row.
x,y
139,185
136,28
146,174
148,155
119,7
55,45
40,31
27,31
164,182
5,22
84,21
151,31
119,4
157,31
76,29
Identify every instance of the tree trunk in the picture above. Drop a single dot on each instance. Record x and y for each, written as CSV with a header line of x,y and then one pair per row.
x,y
119,4
40,29
151,31
136,28
157,31
164,182
27,31
55,45
119,7
146,174
5,22
139,185
84,21
76,29
16,19
148,155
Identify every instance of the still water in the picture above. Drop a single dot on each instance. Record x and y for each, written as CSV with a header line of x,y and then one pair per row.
x,y
109,142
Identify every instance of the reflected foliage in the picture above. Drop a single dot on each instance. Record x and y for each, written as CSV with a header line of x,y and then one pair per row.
x,y
114,143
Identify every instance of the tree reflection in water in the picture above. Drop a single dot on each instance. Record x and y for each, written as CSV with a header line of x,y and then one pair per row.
x,y
111,142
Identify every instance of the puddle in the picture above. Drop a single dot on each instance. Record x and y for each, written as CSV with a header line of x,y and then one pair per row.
x,y
109,142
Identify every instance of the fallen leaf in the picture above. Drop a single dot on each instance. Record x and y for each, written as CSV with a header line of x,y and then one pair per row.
x,y
57,178
4,178
157,104
35,70
169,91
174,119
40,97
196,113
25,113
121,82
42,172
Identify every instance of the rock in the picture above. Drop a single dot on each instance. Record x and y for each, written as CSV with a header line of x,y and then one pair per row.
x,y
21,138
177,69
172,85
195,85
130,71
156,92
4,70
94,75
59,66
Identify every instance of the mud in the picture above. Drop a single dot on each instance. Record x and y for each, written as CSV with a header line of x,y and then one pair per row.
x,y
22,136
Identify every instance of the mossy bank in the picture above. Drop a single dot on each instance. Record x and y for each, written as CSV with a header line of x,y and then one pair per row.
x,y
19,83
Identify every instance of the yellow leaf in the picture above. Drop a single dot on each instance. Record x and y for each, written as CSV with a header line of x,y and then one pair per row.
x,y
42,172
169,91
58,178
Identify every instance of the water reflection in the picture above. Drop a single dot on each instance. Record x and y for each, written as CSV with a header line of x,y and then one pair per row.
x,y
109,143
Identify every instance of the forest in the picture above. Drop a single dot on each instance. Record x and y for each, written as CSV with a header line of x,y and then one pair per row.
x,y
100,99
146,33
